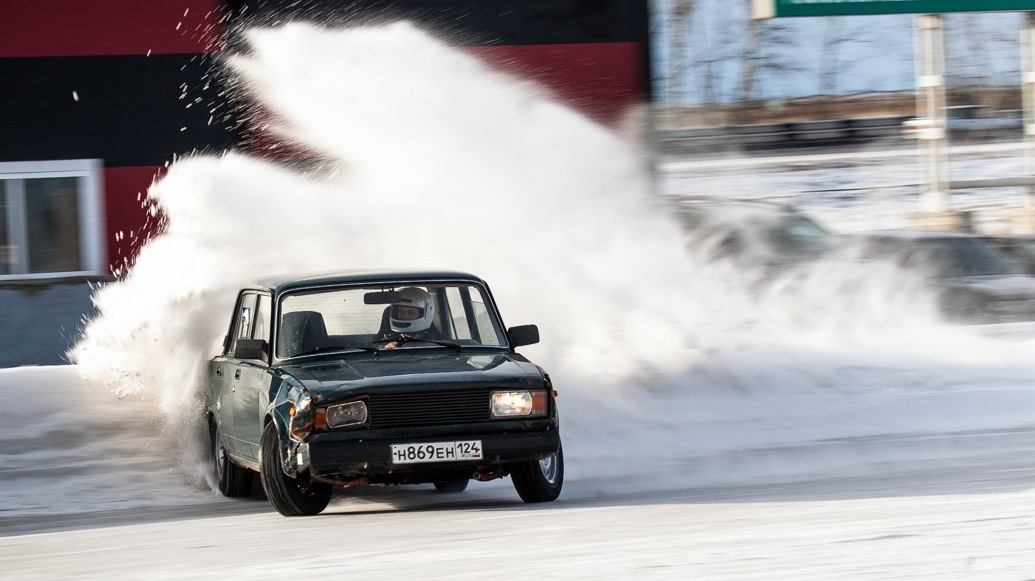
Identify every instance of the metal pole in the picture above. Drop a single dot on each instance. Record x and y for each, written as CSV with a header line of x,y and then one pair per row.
x,y
1028,91
930,82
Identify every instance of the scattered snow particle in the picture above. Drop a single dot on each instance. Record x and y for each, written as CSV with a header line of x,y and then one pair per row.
x,y
75,95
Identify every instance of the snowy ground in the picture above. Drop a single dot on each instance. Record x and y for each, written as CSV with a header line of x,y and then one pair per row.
x,y
875,187
925,478
832,430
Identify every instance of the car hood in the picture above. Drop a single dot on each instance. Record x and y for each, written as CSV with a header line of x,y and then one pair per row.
x,y
334,377
1000,287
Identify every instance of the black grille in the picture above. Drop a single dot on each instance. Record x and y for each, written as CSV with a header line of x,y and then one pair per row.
x,y
399,410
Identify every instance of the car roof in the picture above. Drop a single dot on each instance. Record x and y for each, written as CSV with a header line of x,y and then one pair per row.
x,y
719,208
698,201
285,283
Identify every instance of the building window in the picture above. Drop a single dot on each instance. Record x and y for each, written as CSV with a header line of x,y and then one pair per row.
x,y
50,219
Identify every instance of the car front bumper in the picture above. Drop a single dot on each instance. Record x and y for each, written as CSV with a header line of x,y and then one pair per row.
x,y
343,456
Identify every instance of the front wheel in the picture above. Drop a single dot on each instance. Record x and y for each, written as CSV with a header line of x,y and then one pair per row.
x,y
290,496
540,480
231,480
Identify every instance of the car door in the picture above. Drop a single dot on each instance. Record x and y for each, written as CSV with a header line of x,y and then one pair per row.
x,y
222,368
244,317
249,380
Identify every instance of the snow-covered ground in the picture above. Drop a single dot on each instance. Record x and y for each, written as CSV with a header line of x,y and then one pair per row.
x,y
832,430
875,187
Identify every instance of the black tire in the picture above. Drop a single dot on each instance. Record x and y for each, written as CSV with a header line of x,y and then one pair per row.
x,y
290,496
540,480
231,480
454,485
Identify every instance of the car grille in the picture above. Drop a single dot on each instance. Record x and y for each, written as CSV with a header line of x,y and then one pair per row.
x,y
398,410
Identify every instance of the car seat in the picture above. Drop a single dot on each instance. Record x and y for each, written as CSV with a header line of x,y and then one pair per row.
x,y
301,332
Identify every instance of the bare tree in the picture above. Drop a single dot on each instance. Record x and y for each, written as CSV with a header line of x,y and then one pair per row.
x,y
678,19
837,33
749,58
974,42
716,50
766,53
829,64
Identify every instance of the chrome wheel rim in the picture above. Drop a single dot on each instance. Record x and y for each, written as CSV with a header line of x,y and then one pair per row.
x,y
548,466
219,454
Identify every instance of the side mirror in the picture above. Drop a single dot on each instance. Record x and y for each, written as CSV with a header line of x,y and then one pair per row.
x,y
251,349
523,335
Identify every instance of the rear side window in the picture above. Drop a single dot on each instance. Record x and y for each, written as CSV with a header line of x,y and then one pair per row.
x,y
244,321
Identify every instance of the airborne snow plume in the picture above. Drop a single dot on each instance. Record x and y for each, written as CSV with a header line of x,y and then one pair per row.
x,y
443,163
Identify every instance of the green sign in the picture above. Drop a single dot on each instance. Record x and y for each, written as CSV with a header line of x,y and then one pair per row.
x,y
772,8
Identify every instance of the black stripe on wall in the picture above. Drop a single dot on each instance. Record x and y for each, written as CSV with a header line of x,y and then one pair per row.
x,y
470,22
131,110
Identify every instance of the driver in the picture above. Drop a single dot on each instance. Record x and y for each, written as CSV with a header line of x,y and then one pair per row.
x,y
414,313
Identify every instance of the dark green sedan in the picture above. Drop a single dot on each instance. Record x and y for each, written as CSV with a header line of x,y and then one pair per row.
x,y
378,378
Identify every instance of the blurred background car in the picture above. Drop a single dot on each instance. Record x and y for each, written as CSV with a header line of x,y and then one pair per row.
x,y
1020,248
973,281
755,234
968,122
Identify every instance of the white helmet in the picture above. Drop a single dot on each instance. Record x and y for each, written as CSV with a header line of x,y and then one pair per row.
x,y
414,312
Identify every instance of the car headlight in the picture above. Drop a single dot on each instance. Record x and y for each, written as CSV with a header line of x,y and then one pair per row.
x,y
301,414
346,414
509,404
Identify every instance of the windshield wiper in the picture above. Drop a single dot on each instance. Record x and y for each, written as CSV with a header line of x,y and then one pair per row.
x,y
329,348
393,341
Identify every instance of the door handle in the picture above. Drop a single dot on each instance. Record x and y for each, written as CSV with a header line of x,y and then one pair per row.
x,y
237,374
219,371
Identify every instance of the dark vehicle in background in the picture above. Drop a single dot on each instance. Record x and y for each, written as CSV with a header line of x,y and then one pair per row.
x,y
971,122
751,234
974,282
1020,248
375,378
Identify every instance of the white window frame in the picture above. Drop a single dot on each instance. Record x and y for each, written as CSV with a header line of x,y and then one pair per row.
x,y
89,188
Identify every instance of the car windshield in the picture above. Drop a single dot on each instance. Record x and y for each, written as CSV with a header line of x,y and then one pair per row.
x,y
799,235
412,315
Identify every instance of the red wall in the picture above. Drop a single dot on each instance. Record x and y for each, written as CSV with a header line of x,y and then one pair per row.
x,y
109,27
602,80
128,221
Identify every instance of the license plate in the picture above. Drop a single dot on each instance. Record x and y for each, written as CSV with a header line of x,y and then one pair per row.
x,y
437,452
